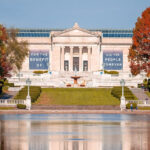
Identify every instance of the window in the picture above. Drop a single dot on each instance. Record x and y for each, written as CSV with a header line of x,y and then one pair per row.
x,y
85,65
66,65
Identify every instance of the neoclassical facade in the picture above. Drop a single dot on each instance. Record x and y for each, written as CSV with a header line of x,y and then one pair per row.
x,y
64,53
77,49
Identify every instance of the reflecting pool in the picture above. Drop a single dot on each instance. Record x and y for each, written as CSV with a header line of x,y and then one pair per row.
x,y
74,132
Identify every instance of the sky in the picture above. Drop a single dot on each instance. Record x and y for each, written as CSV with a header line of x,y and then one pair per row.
x,y
61,14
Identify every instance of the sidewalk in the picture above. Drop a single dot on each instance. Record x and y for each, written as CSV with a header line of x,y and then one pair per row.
x,y
140,112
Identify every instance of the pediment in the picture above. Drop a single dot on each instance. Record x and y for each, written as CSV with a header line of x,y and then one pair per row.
x,y
76,31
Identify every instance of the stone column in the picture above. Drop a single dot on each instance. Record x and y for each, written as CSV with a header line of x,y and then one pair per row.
x,y
80,60
89,58
71,59
101,59
62,58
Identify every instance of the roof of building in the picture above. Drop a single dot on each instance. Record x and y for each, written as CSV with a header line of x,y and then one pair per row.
x,y
119,33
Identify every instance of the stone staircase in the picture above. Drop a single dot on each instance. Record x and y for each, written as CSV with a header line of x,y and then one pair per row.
x,y
75,107
90,79
139,93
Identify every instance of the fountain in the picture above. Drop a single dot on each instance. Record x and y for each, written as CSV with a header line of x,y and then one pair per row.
x,y
75,77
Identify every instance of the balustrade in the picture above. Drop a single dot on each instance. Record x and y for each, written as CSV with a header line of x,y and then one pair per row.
x,y
139,102
12,101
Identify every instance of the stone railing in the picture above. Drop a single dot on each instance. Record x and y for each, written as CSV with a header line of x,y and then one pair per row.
x,y
139,102
12,102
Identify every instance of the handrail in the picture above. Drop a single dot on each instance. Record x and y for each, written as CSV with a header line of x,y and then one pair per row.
x,y
12,101
139,102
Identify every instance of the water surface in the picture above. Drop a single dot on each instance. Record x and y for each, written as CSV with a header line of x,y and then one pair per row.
x,y
74,132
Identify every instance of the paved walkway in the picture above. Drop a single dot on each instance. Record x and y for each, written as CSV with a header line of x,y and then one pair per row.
x,y
140,93
74,112
8,95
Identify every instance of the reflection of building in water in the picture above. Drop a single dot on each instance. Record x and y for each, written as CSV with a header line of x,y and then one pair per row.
x,y
135,135
75,137
14,135
50,135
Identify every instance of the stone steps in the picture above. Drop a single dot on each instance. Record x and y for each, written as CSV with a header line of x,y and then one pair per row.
x,y
139,93
61,107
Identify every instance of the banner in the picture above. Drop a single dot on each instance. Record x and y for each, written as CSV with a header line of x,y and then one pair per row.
x,y
113,60
39,59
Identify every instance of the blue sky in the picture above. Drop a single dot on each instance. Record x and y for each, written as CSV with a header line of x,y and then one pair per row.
x,y
90,14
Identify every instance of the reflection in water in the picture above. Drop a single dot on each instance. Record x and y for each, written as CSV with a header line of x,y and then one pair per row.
x,y
74,132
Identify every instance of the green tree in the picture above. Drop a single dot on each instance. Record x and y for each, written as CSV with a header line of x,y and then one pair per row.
x,y
16,51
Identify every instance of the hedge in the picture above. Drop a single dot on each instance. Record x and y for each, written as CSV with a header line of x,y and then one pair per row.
x,y
40,72
21,106
35,92
139,85
9,84
111,72
117,92
128,106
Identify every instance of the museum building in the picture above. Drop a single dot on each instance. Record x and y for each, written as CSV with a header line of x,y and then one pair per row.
x,y
77,48
86,52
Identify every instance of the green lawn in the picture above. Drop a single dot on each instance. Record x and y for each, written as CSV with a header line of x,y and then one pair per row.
x,y
77,96
7,108
144,108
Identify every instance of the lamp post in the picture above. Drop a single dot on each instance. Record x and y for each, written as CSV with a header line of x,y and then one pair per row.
x,y
122,100
28,98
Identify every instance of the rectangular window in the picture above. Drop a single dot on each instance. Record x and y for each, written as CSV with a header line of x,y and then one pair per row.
x,y
85,65
66,65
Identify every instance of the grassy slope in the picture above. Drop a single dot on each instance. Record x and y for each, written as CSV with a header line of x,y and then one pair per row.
x,y
76,96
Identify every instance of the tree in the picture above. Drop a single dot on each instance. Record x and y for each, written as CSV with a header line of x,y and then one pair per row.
x,y
16,51
139,52
4,64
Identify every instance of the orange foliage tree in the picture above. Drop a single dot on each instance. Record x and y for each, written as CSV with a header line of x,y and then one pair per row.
x,y
4,64
139,52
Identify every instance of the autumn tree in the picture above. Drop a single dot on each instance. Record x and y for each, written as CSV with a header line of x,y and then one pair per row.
x,y
139,52
4,63
16,51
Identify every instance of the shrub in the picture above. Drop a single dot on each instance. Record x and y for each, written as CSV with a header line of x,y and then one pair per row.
x,y
129,105
139,85
145,83
21,106
149,85
9,84
111,72
117,92
35,92
40,72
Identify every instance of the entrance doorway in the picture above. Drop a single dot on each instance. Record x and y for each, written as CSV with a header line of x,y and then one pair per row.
x,y
76,63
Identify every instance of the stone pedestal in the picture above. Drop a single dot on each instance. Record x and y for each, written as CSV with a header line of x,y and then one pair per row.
x,y
122,103
28,103
75,79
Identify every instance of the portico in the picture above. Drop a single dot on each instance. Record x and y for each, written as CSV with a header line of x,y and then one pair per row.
x,y
78,49
75,57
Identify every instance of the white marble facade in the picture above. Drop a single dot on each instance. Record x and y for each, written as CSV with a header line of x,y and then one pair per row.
x,y
78,48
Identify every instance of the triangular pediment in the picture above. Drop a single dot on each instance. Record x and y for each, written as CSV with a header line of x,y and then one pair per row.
x,y
76,31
